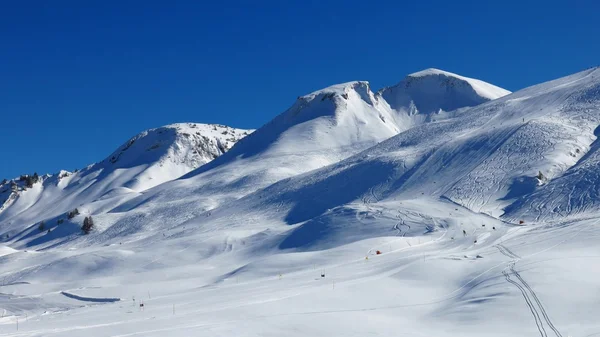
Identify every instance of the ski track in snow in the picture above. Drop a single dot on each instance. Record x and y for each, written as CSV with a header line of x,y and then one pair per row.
x,y
533,310
527,296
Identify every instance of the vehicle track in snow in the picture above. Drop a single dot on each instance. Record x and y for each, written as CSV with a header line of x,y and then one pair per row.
x,y
536,316
527,292
537,300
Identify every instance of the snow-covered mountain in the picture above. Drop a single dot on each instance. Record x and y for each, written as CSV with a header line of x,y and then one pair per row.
x,y
433,94
333,123
431,90
320,129
441,206
146,160
532,152
171,151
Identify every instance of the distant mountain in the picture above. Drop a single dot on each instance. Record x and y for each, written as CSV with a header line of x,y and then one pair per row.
x,y
433,90
529,155
320,129
333,123
169,152
146,160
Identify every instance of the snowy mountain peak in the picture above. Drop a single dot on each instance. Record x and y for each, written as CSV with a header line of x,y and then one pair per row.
x,y
482,88
431,90
320,128
433,71
338,93
339,89
150,158
190,144
168,152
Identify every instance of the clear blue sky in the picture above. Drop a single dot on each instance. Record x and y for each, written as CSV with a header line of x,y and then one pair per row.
x,y
78,78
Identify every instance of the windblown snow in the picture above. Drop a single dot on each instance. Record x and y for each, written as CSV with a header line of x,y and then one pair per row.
x,y
440,206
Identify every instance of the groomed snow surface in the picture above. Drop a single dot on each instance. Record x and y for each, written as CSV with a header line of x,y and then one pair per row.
x,y
353,213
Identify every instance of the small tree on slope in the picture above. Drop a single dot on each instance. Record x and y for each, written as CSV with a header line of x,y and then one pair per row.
x,y
73,213
88,225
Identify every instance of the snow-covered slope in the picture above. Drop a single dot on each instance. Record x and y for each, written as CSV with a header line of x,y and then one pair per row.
x,y
319,129
146,160
576,193
485,159
171,151
432,90
316,219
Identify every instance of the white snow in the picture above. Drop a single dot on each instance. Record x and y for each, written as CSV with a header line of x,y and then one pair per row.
x,y
146,160
482,88
6,250
430,94
333,221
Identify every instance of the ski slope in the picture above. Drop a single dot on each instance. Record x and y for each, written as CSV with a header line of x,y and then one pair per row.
x,y
434,282
412,217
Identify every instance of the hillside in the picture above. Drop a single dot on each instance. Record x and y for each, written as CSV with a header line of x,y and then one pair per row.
x,y
319,129
146,160
486,158
447,210
433,90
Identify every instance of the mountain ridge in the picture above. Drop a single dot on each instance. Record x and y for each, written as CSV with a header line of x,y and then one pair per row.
x,y
321,128
145,160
